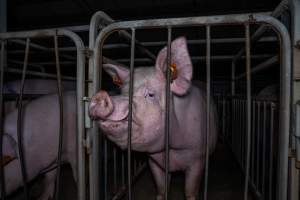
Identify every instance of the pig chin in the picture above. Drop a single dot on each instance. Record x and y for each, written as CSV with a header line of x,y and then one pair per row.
x,y
114,128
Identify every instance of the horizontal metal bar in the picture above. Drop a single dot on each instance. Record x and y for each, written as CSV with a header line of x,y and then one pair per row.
x,y
262,66
186,21
199,58
41,47
190,42
160,43
34,73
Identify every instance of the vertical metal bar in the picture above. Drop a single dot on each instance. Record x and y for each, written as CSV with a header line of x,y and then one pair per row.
x,y
232,78
19,122
123,169
224,117
3,16
60,100
130,112
244,141
252,142
264,150
208,108
271,151
2,181
105,170
257,144
167,114
115,168
248,72
240,132
233,125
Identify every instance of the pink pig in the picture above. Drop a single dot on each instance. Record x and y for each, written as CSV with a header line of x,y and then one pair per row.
x,y
187,117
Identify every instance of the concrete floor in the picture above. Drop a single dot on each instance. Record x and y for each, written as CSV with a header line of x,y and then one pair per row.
x,y
225,182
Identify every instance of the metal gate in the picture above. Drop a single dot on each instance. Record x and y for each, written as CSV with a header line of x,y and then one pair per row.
x,y
250,108
26,39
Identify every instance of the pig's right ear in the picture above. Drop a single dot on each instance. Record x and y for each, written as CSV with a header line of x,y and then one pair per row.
x,y
118,73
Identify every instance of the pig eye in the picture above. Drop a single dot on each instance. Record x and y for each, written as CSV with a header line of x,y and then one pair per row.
x,y
151,95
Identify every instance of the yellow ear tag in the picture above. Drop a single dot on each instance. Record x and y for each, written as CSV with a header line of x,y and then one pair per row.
x,y
117,81
173,71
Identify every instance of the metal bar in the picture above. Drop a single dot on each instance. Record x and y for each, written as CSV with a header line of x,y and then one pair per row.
x,y
162,43
123,169
105,170
239,136
167,114
257,144
60,100
260,67
39,47
232,78
294,7
19,123
248,71
2,180
252,142
264,149
3,15
284,110
203,41
200,58
80,74
115,169
34,73
272,105
50,63
208,77
132,55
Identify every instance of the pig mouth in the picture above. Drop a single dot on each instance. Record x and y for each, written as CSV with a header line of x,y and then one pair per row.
x,y
114,126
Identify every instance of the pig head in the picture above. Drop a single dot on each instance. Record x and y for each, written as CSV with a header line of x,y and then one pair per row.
x,y
187,116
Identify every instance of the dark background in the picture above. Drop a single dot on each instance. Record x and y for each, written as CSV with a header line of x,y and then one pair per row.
x,y
35,14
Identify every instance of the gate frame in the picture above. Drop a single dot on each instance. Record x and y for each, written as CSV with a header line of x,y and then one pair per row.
x,y
80,91
239,19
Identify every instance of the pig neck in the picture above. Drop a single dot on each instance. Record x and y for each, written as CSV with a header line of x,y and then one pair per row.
x,y
176,131
184,110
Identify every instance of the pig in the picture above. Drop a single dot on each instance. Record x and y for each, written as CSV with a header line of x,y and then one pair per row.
x,y
40,141
33,86
188,109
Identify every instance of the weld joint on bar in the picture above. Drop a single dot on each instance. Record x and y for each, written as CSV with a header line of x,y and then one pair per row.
x,y
88,52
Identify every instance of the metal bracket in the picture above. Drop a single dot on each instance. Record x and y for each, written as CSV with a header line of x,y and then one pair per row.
x,y
88,122
88,52
87,145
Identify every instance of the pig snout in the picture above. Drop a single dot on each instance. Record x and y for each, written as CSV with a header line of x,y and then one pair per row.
x,y
101,105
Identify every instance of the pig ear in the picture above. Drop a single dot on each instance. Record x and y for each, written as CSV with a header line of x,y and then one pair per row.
x,y
181,59
116,71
